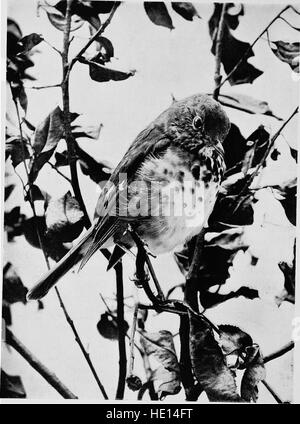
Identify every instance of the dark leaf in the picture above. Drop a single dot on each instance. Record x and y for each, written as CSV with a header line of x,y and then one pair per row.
x,y
274,155
232,49
209,299
6,316
29,41
158,14
247,104
233,12
294,153
35,193
11,386
209,364
106,50
289,201
230,239
235,148
13,222
97,171
233,340
258,143
289,273
46,137
8,190
134,383
166,376
288,53
233,210
61,159
85,11
101,73
64,218
58,19
186,10
108,326
254,373
52,247
13,288
17,150
102,6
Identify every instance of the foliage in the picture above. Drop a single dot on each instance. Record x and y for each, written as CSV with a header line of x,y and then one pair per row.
x,y
216,354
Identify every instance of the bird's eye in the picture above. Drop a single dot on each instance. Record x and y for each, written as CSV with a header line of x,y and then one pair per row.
x,y
197,123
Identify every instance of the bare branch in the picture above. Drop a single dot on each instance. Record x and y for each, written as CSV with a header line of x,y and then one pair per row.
x,y
218,57
278,353
78,340
121,338
48,375
252,45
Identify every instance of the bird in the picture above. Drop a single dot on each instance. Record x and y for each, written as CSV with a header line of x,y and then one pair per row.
x,y
164,188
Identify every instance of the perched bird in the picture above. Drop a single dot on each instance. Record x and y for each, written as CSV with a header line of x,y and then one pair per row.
x,y
164,188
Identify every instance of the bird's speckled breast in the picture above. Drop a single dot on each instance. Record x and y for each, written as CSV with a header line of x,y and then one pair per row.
x,y
174,195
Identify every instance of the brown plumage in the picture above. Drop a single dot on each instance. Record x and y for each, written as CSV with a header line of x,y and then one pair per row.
x,y
164,187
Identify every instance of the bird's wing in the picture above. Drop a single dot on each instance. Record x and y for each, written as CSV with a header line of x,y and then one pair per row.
x,y
152,140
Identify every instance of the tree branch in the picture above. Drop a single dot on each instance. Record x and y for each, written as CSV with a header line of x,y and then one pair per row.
x,y
273,393
286,348
251,46
67,119
49,376
93,38
78,340
121,339
218,56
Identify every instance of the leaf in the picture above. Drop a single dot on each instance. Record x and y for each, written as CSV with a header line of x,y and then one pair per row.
x,y
29,41
186,10
35,193
108,326
288,53
234,149
46,137
11,386
289,201
101,73
13,221
254,373
166,374
13,289
158,14
209,364
92,131
102,6
8,190
64,218
231,239
85,11
289,273
233,12
105,48
247,104
52,247
233,340
232,49
61,159
17,150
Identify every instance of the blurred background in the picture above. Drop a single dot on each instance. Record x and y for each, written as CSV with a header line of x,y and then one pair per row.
x,y
168,63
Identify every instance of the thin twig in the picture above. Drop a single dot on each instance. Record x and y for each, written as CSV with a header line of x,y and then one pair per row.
x,y
286,348
131,343
78,340
72,158
43,87
121,339
273,393
59,172
48,375
219,48
247,51
93,38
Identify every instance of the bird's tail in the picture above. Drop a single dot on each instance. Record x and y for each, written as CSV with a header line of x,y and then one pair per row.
x,y
73,257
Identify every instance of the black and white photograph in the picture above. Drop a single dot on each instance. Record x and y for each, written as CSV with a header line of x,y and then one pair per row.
x,y
149,204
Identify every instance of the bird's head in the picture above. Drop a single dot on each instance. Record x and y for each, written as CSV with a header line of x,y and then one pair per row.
x,y
196,121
